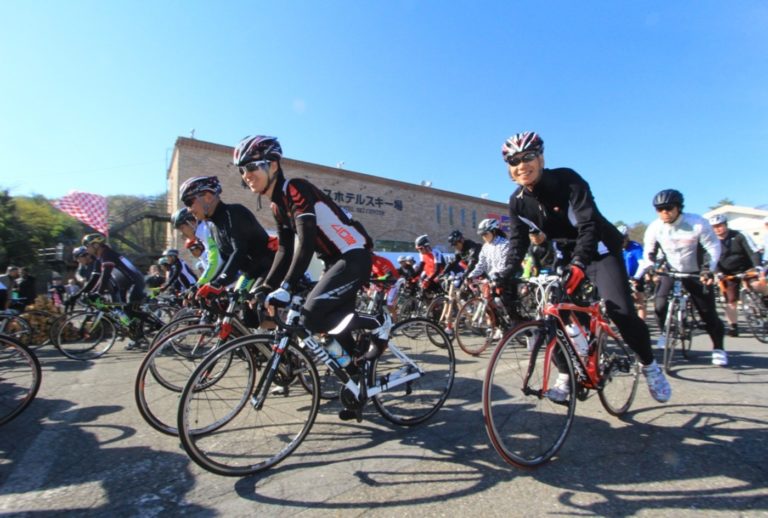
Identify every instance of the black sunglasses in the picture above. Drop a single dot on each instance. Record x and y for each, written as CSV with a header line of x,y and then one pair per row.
x,y
517,159
665,208
254,166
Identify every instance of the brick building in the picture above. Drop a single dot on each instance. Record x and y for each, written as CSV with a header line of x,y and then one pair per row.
x,y
394,213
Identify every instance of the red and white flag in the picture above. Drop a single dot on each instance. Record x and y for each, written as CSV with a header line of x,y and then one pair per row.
x,y
89,208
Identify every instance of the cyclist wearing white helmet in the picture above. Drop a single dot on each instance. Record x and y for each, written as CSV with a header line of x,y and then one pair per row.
x,y
180,275
493,255
559,202
738,254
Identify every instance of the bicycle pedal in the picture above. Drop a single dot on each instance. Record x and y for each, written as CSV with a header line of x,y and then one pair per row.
x,y
347,414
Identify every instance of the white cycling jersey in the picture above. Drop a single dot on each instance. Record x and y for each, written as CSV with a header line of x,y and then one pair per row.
x,y
492,259
680,241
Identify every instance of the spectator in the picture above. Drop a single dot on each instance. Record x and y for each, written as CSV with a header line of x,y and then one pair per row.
x,y
26,287
8,282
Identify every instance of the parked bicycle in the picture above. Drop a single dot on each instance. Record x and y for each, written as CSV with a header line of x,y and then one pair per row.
x,y
525,426
20,378
232,423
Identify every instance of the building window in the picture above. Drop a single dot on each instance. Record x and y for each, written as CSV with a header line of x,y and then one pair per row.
x,y
437,211
474,219
450,216
463,218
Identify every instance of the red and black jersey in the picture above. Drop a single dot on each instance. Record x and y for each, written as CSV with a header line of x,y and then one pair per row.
x,y
301,209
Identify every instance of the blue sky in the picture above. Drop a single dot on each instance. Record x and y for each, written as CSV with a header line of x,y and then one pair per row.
x,y
635,96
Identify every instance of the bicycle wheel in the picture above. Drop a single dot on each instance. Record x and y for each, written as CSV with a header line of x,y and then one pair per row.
x,y
686,329
86,336
525,427
218,425
475,326
20,378
412,348
163,373
755,314
619,374
330,385
16,327
671,332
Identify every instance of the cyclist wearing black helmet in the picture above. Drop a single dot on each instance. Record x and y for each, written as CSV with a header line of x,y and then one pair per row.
x,y
559,202
681,236
185,222
241,240
467,252
309,221
180,275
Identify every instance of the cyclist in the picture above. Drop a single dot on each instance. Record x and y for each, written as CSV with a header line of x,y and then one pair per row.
x,y
559,202
308,222
382,269
240,240
544,253
127,279
493,255
679,235
738,254
9,283
633,255
185,222
197,249
467,252
180,276
431,266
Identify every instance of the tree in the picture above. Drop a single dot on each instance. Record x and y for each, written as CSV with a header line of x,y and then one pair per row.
x,y
15,246
723,203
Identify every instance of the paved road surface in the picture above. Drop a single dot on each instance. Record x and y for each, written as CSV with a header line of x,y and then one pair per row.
x,y
83,448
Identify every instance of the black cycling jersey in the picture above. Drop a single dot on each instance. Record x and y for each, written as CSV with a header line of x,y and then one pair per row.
x,y
736,254
125,276
301,209
561,205
467,258
180,276
242,243
546,256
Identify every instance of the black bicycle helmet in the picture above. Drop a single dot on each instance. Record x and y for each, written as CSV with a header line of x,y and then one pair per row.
x,y
422,240
668,197
181,216
455,237
260,147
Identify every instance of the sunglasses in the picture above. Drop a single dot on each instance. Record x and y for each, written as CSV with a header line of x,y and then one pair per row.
x,y
254,166
518,159
188,202
665,208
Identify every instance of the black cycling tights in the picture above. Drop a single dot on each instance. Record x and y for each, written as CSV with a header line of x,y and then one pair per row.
x,y
703,299
334,296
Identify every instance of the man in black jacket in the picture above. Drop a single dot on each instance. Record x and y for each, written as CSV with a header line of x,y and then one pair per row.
x,y
738,254
559,203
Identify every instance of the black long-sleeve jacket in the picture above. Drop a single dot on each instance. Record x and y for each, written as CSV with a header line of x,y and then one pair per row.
x,y
242,242
560,205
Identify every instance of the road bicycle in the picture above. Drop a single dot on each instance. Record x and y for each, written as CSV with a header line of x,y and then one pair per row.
x,y
171,359
444,309
753,303
20,377
524,425
678,324
481,320
231,421
90,333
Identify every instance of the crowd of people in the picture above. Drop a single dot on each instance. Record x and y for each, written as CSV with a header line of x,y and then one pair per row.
x,y
554,226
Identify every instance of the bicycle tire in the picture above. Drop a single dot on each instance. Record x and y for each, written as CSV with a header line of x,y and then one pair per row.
x,y
474,331
163,373
20,378
671,336
222,432
686,335
756,315
330,385
525,429
17,328
619,374
416,401
86,336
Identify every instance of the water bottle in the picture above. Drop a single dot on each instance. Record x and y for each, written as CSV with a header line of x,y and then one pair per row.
x,y
338,353
124,319
579,340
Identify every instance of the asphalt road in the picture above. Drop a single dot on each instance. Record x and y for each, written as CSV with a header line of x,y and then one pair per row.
x,y
83,448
